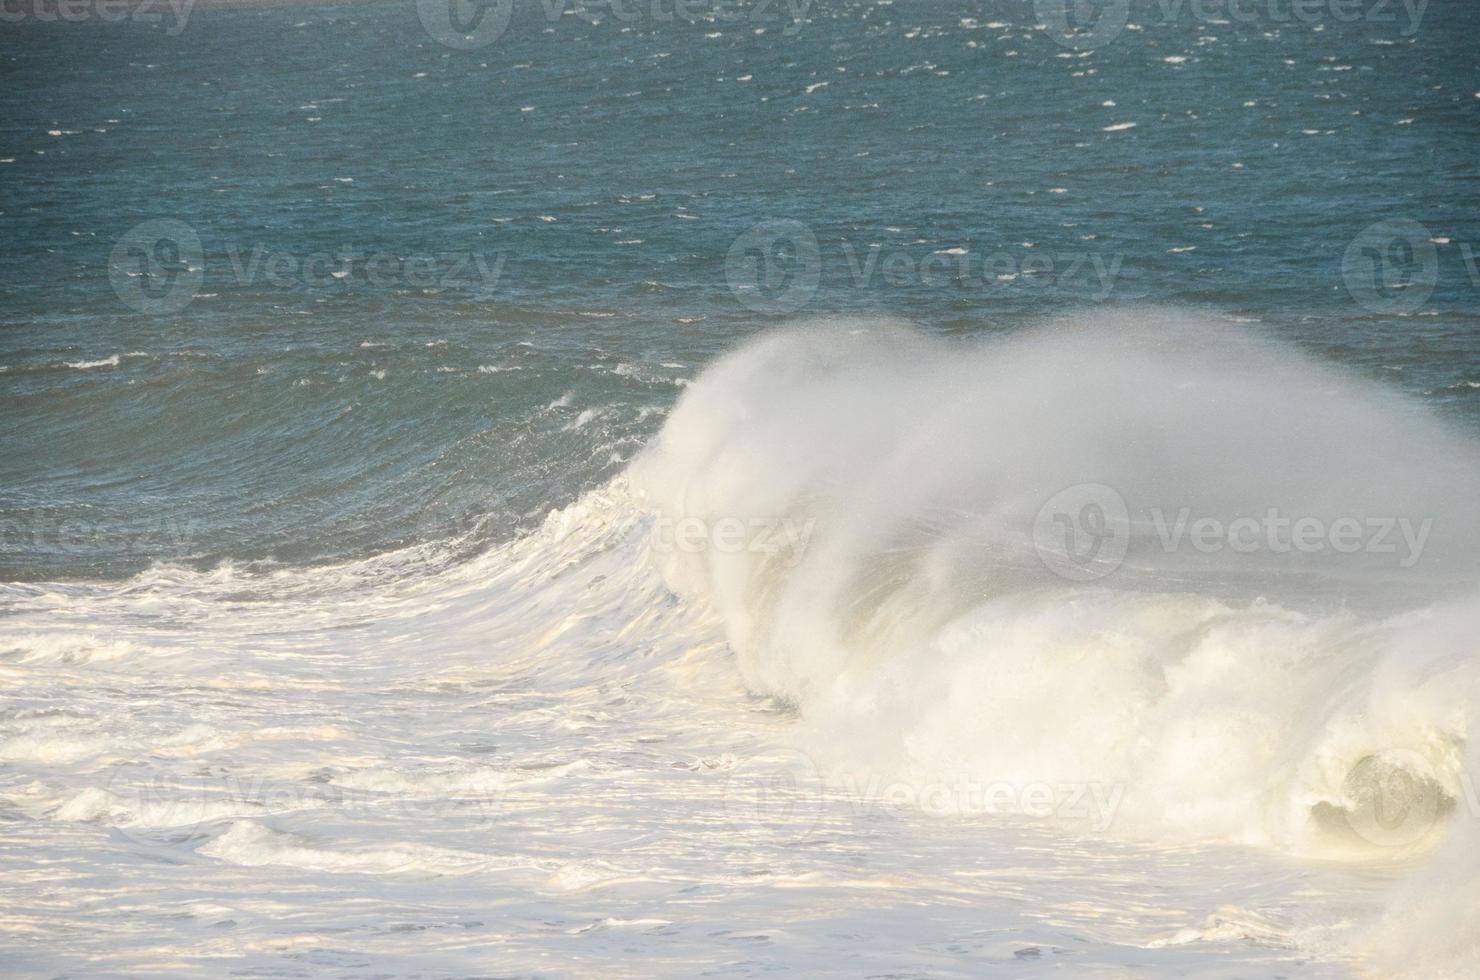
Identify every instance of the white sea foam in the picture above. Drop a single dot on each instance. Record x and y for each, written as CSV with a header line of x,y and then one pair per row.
x,y
250,843
110,361
1290,699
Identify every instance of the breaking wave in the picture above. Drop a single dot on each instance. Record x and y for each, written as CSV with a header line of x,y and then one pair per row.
x,y
1200,582
965,558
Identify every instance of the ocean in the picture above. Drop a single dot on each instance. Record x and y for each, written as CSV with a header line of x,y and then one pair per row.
x,y
886,488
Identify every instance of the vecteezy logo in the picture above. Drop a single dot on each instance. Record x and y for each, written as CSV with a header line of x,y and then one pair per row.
x,y
1391,267
1082,533
157,266
1393,799
774,267
1083,24
465,24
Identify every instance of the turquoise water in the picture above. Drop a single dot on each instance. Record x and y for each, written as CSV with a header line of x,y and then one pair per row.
x,y
602,172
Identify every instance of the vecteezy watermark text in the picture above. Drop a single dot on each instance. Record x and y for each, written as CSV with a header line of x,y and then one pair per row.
x,y
159,267
776,267
1091,803
1084,532
172,13
320,270
783,537
1281,535
786,793
63,533
1087,24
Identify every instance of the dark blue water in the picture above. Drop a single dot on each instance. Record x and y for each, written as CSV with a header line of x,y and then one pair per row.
x,y
387,290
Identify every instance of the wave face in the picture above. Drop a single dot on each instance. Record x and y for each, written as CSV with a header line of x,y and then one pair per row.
x,y
321,442
888,526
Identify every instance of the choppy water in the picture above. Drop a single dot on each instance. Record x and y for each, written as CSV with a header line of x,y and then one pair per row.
x,y
340,634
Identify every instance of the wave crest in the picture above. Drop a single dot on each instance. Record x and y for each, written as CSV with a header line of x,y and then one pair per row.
x,y
1312,694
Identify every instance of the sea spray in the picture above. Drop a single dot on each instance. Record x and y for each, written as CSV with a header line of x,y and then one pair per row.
x,y
1311,693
